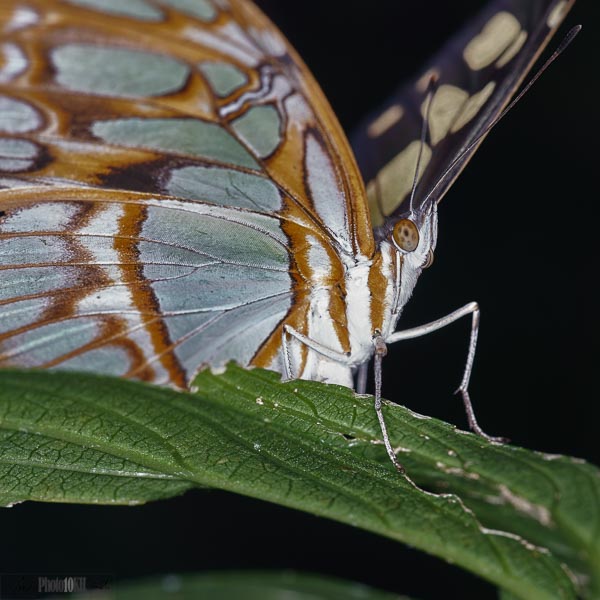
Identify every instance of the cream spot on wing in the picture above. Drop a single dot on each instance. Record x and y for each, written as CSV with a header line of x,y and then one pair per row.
x,y
512,50
446,105
423,81
472,106
496,36
395,179
557,14
385,121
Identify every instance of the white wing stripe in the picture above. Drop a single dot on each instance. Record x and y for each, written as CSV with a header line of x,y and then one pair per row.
x,y
325,189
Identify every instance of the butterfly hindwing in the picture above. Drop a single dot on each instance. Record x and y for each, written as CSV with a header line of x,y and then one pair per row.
x,y
474,77
136,285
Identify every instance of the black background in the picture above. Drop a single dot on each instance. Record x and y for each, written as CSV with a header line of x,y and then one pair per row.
x,y
518,233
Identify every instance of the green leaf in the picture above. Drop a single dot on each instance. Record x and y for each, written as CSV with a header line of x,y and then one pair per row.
x,y
504,595
75,438
250,585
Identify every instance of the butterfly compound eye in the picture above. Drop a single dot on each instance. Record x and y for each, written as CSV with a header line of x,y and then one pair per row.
x,y
406,235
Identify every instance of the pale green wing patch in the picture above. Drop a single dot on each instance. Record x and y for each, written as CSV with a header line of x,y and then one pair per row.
x,y
199,9
260,128
117,72
224,186
224,78
137,9
191,137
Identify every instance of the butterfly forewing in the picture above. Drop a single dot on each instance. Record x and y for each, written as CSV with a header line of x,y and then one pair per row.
x,y
124,100
170,171
474,77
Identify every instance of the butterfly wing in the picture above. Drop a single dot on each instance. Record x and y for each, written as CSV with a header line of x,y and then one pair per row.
x,y
136,285
116,117
476,74
121,96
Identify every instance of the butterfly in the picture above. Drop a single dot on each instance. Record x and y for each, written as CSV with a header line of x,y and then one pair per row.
x,y
176,192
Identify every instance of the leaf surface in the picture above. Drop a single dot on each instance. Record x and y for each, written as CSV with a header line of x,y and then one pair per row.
x,y
82,438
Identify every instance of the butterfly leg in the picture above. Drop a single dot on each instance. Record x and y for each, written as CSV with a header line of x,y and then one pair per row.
x,y
334,355
361,378
469,309
380,352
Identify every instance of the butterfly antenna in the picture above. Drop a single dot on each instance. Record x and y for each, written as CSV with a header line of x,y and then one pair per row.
x,y
561,48
431,87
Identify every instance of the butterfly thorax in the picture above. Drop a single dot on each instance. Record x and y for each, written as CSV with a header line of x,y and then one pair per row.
x,y
346,316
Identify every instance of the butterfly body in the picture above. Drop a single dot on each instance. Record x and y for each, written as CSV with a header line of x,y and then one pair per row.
x,y
370,300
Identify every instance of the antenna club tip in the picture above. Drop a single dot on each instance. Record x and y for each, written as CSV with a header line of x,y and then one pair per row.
x,y
572,33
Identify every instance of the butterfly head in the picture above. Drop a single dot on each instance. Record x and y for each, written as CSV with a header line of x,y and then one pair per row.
x,y
411,239
414,237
